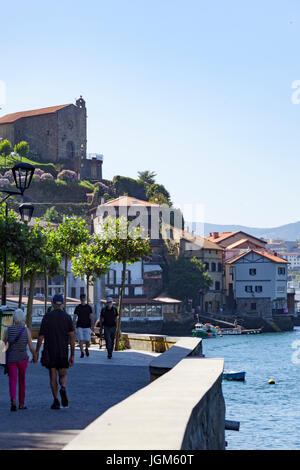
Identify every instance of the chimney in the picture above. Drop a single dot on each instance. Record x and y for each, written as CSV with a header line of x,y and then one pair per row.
x,y
215,234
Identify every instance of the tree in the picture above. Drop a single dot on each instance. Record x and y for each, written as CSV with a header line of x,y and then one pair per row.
x,y
5,148
147,177
186,278
158,191
92,261
124,244
123,185
13,240
51,215
66,240
22,149
51,262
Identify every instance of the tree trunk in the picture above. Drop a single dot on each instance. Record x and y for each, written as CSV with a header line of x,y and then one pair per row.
x,y
30,300
118,332
87,289
21,283
65,282
45,289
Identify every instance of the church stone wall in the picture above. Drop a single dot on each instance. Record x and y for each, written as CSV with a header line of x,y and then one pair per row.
x,y
41,134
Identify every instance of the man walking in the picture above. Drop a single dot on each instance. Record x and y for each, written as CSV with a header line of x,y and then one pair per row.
x,y
84,314
108,318
57,331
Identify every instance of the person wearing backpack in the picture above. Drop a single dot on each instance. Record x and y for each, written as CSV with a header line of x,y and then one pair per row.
x,y
18,337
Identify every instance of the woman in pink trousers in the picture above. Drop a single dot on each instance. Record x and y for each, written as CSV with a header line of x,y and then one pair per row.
x,y
18,337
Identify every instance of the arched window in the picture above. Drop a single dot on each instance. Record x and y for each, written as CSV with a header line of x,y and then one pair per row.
x,y
70,150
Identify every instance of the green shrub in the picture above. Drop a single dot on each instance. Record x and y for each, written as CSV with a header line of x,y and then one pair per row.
x,y
87,185
22,148
5,148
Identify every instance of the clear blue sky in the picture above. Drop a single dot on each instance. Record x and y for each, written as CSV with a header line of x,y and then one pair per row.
x,y
197,91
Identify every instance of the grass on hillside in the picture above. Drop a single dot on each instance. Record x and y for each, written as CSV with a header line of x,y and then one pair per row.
x,y
8,162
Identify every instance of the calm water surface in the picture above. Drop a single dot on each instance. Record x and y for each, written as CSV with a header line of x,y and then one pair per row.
x,y
269,414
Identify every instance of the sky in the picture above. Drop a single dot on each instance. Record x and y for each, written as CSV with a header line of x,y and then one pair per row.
x,y
198,92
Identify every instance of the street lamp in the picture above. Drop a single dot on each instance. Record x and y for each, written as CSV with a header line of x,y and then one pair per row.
x,y
23,173
26,211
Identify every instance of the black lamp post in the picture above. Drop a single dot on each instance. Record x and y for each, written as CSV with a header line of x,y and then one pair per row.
x,y
26,211
23,173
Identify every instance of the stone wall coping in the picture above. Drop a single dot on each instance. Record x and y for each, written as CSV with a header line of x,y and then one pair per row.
x,y
162,416
148,337
183,348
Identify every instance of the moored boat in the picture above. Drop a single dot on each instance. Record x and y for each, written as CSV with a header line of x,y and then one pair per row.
x,y
204,331
234,375
229,331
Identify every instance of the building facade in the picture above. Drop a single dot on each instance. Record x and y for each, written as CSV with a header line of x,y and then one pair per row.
x,y
260,283
56,134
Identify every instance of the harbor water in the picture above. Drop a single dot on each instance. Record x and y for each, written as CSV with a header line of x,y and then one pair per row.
x,y
269,415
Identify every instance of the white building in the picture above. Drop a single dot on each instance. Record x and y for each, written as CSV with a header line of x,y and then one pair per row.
x,y
259,282
292,258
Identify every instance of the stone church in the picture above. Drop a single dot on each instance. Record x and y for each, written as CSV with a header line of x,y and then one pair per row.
x,y
56,134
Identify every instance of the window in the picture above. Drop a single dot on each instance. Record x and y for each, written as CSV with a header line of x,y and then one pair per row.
x,y
213,267
206,266
73,292
82,290
248,289
281,270
253,306
217,285
252,272
70,150
220,267
258,289
110,277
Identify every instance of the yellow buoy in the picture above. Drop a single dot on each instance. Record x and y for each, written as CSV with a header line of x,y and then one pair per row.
x,y
271,381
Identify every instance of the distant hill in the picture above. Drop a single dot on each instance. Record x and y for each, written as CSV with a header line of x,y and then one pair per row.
x,y
287,232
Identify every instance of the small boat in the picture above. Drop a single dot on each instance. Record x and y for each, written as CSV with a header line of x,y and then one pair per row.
x,y
204,331
234,375
229,331
252,332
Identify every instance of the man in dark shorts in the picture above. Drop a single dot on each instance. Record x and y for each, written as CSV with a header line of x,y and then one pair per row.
x,y
57,331
84,314
108,319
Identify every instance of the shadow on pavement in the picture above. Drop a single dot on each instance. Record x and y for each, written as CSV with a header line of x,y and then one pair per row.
x,y
92,389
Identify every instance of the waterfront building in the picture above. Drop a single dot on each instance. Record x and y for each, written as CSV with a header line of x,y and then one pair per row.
x,y
211,254
259,283
38,308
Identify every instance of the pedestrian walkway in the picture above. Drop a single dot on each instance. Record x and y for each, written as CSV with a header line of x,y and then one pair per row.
x,y
95,383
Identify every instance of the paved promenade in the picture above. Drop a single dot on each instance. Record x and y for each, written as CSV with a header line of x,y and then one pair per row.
x,y
94,385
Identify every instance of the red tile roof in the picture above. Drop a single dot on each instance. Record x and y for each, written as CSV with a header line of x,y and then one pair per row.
x,y
271,257
241,242
10,118
202,242
224,235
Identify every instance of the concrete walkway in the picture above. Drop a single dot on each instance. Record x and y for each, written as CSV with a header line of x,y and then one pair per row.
x,y
94,385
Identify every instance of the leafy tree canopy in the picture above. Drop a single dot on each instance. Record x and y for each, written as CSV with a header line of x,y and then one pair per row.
x,y
147,177
5,147
22,148
186,278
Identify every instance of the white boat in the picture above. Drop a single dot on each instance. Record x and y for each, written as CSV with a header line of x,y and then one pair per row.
x,y
229,331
